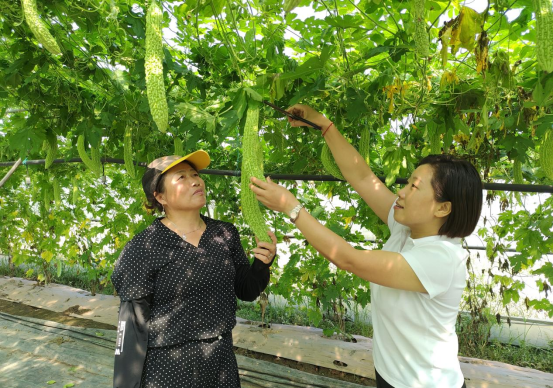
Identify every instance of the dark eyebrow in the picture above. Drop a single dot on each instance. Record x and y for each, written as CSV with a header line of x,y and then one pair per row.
x,y
416,177
183,170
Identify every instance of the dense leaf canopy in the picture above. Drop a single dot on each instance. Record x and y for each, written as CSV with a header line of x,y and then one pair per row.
x,y
480,94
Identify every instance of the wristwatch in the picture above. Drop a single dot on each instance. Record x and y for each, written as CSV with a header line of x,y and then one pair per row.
x,y
295,212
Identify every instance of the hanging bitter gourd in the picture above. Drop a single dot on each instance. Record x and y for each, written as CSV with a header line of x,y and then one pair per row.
x,y
177,145
93,163
127,153
544,34
95,157
47,196
546,154
435,142
289,5
329,164
364,144
422,43
57,191
252,165
517,172
38,27
153,65
51,145
75,190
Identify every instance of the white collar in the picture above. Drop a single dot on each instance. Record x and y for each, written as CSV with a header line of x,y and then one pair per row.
x,y
423,240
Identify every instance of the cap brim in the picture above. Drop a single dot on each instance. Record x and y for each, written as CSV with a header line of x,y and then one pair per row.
x,y
199,158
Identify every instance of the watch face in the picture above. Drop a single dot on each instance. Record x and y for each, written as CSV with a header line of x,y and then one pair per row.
x,y
295,213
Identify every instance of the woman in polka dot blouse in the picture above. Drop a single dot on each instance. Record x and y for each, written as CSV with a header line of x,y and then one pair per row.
x,y
178,281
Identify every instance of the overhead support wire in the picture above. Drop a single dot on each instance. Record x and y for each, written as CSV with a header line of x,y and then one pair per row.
x,y
318,178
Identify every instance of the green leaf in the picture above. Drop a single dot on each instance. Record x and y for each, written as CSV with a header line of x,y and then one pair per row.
x,y
377,50
47,256
240,103
461,126
538,94
249,38
50,382
218,6
355,104
253,94
315,316
228,121
308,67
309,90
196,115
547,270
518,143
326,53
27,139
542,304
346,21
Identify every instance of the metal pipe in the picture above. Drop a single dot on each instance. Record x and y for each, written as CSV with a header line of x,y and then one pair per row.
x,y
319,178
12,170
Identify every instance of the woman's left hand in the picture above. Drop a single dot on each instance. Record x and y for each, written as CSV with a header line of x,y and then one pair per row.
x,y
274,196
266,251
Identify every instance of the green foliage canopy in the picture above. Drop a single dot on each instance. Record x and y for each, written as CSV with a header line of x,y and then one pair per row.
x,y
479,94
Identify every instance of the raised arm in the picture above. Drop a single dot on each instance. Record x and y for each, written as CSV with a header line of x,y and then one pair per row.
x,y
388,269
354,168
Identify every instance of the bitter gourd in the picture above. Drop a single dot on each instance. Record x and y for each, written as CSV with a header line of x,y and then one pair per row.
x,y
153,65
252,165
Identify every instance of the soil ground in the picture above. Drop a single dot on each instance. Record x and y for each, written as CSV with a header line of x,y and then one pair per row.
x,y
19,309
23,310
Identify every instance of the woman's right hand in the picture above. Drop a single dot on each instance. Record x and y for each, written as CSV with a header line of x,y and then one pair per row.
x,y
309,114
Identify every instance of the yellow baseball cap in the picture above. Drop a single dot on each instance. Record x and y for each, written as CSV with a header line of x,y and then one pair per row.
x,y
200,159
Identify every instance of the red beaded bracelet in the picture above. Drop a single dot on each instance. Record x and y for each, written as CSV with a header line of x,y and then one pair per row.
x,y
327,128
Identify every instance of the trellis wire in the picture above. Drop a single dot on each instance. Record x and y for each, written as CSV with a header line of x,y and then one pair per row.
x,y
319,178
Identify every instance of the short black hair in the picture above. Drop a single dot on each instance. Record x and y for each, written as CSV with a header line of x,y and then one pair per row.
x,y
151,201
457,181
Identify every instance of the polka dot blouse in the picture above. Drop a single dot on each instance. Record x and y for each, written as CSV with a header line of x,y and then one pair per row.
x,y
193,289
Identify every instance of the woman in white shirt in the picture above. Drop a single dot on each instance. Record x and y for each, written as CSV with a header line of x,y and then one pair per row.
x,y
418,277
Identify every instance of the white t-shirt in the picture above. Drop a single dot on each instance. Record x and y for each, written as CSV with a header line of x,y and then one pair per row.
x,y
414,342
